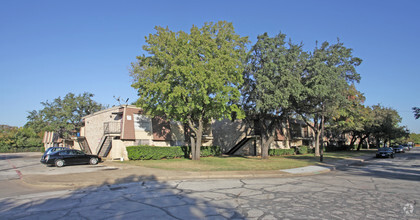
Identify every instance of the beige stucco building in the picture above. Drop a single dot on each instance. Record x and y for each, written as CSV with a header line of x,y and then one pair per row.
x,y
241,137
107,133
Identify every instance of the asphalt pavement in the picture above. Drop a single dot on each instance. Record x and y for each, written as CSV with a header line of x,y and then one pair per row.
x,y
111,172
347,189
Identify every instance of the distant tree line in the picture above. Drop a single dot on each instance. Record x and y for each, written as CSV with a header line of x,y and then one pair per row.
x,y
62,115
14,139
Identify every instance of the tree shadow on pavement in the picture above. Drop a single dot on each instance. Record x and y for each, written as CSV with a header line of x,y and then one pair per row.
x,y
132,197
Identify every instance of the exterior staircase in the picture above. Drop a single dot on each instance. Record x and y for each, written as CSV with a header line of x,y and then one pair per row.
x,y
105,146
84,146
240,144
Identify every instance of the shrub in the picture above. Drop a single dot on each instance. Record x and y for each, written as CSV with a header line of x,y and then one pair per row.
x,y
207,151
302,150
280,152
145,152
311,150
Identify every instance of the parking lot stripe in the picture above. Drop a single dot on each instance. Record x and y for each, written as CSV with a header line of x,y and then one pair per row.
x,y
15,168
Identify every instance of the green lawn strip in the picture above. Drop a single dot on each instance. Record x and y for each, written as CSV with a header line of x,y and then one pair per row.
x,y
246,163
225,164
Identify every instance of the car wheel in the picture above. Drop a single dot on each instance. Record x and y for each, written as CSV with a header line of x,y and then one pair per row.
x,y
392,155
59,163
93,161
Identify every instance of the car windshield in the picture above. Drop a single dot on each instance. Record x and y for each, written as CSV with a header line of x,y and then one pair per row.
x,y
384,149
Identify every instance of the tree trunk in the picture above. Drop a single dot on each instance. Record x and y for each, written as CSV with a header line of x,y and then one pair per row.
x,y
367,143
362,139
353,139
264,147
321,150
316,131
267,136
316,143
192,147
196,139
287,135
360,144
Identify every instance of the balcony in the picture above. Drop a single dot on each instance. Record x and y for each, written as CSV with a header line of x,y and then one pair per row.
x,y
112,127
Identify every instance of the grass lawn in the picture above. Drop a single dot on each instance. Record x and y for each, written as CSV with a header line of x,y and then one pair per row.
x,y
246,163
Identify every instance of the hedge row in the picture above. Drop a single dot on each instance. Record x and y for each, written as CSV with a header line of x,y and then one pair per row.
x,y
146,152
302,150
281,152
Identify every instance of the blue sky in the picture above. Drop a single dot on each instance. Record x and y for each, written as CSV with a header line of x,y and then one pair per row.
x,y
51,48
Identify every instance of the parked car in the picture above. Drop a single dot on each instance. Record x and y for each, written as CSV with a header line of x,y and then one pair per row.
x,y
52,150
398,149
410,146
70,157
406,147
385,152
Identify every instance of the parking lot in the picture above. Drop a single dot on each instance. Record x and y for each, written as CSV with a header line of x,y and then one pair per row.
x,y
15,166
380,188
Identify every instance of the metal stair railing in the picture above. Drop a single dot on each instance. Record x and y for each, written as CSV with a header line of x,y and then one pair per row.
x,y
239,145
105,146
84,145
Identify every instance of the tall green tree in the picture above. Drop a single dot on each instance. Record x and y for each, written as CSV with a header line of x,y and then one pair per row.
x,y
414,138
27,137
63,115
18,138
386,127
351,117
191,77
8,136
272,80
330,69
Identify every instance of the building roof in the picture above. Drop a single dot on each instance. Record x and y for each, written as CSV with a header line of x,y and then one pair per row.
x,y
115,109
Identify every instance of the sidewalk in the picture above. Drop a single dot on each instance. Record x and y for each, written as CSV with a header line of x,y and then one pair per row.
x,y
117,173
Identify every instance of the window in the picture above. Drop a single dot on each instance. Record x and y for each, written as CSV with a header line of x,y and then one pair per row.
x,y
65,152
142,123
